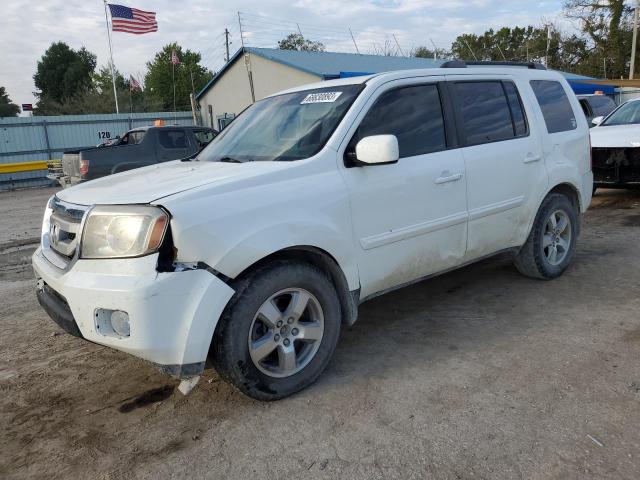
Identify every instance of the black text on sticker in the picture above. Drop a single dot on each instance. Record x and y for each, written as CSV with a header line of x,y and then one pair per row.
x,y
323,97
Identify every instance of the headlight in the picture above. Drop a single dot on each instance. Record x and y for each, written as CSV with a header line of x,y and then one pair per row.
x,y
116,231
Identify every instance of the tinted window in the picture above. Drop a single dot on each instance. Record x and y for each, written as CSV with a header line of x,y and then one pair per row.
x,y
204,136
555,106
132,138
485,111
172,138
517,112
412,114
601,105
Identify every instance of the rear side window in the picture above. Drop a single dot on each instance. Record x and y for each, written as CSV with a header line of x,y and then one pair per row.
x,y
204,136
555,106
412,114
172,138
485,112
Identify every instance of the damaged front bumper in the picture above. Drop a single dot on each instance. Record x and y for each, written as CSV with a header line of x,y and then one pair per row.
x,y
171,315
618,166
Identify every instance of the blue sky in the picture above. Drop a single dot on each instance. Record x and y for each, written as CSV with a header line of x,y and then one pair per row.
x,y
27,28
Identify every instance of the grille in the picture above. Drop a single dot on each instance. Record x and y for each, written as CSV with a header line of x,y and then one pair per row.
x,y
64,228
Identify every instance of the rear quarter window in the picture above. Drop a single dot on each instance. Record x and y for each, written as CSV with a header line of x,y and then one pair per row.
x,y
554,103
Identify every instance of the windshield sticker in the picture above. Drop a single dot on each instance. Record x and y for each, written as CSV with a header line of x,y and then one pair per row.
x,y
324,97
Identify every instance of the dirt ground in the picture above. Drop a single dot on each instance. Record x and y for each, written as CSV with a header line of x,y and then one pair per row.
x,y
479,373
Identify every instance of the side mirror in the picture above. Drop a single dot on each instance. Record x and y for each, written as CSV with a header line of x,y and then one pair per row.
x,y
597,120
378,150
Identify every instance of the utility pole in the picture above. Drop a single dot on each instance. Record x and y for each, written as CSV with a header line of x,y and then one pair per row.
x,y
546,54
226,42
635,36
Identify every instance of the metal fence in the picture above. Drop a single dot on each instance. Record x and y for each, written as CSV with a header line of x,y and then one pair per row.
x,y
26,140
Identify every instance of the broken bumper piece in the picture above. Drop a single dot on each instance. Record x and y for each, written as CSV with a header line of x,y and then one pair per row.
x,y
166,318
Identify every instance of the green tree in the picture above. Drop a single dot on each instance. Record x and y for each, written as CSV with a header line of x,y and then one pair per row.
x,y
102,82
525,44
7,107
424,52
295,41
63,72
607,25
158,80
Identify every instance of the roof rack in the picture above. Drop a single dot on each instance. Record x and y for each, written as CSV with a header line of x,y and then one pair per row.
x,y
464,64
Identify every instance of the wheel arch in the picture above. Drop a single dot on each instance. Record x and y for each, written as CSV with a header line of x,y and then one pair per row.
x,y
572,193
326,263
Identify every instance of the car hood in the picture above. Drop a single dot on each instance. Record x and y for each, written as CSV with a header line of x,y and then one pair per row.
x,y
615,136
148,184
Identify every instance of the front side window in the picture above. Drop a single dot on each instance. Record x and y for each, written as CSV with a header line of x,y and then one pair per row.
x,y
132,138
485,112
412,114
292,126
554,103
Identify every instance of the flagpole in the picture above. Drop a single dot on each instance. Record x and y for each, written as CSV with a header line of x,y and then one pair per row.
x,y
173,65
113,75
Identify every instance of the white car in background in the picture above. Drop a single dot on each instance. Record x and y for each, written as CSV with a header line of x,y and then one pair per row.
x,y
615,147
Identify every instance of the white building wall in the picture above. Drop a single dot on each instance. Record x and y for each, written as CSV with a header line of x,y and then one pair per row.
x,y
231,93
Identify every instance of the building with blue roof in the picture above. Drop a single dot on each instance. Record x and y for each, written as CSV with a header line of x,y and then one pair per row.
x,y
254,73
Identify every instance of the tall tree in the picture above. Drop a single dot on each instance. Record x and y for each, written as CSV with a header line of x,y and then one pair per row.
x,y
7,107
525,44
158,80
63,72
295,41
102,80
607,24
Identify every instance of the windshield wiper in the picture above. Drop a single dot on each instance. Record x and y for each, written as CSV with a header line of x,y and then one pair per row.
x,y
230,160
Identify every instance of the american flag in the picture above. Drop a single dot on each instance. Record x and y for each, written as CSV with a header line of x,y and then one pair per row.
x,y
174,57
132,20
134,84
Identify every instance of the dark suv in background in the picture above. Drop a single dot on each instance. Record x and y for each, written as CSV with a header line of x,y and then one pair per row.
x,y
137,148
596,105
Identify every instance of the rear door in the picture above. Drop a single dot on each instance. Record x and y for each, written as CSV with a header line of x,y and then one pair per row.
x,y
503,159
173,143
409,218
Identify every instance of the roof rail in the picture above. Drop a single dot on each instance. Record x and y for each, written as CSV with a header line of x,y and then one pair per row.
x,y
464,64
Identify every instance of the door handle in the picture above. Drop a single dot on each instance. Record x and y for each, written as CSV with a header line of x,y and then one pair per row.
x,y
531,158
447,178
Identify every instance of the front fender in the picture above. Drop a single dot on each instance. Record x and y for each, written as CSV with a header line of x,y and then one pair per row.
x,y
252,248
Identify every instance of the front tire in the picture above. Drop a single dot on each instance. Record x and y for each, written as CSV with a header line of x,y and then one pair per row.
x,y
551,243
279,331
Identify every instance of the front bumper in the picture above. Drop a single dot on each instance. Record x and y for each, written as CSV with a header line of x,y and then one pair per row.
x,y
172,314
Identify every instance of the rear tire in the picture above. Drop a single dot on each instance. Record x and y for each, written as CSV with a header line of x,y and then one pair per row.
x,y
551,243
279,331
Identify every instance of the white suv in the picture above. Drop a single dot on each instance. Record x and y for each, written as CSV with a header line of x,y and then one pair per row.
x,y
255,253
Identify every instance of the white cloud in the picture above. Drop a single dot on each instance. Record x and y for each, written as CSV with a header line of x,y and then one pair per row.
x,y
27,28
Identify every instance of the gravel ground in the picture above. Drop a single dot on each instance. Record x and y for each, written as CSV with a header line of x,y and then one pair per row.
x,y
479,373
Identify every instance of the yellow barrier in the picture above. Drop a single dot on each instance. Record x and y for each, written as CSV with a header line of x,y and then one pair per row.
x,y
23,166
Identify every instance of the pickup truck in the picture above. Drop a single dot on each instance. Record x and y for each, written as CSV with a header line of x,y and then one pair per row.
x,y
137,148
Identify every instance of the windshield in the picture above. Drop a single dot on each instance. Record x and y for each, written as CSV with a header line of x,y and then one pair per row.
x,y
627,113
292,126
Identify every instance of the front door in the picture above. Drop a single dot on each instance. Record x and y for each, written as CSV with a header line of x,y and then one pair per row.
x,y
409,218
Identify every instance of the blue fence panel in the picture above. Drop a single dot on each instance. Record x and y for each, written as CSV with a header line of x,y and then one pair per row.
x,y
26,139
